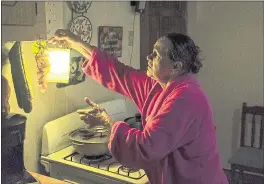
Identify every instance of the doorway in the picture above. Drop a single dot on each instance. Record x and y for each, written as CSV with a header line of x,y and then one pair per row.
x,y
159,18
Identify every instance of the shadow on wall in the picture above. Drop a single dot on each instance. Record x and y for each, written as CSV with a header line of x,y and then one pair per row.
x,y
236,130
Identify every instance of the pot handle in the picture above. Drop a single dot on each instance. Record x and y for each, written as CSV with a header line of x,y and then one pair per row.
x,y
125,120
78,143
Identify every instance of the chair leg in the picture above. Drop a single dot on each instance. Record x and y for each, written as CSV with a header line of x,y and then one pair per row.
x,y
241,176
233,172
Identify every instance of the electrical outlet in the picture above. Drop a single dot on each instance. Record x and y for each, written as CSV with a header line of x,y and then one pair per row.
x,y
130,38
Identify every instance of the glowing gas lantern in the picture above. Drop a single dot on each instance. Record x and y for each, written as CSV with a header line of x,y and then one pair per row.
x,y
60,65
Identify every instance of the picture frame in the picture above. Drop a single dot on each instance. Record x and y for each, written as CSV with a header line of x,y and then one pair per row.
x,y
110,39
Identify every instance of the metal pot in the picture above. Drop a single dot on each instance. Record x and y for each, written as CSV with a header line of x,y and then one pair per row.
x,y
90,142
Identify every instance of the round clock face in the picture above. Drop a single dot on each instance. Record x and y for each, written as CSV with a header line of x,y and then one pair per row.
x,y
79,6
81,26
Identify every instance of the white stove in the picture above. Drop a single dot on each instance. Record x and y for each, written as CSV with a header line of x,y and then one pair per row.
x,y
61,160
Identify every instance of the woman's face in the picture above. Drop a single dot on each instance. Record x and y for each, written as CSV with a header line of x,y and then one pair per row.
x,y
159,65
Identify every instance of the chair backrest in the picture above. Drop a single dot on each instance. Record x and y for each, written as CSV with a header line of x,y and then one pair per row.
x,y
254,111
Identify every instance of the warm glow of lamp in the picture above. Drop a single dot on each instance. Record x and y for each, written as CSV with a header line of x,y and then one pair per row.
x,y
60,65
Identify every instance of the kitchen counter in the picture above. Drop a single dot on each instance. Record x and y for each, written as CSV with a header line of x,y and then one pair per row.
x,y
45,179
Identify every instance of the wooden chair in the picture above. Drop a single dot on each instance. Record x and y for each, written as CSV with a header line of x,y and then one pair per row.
x,y
249,158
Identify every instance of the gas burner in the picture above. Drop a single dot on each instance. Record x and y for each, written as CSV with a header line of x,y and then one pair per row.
x,y
128,170
94,159
87,160
106,163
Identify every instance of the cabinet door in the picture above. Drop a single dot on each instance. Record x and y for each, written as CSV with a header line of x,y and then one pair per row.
x,y
26,32
18,13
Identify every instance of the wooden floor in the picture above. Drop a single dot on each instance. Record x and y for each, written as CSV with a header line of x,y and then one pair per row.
x,y
248,179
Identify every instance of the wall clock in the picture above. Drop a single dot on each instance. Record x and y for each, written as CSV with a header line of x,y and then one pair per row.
x,y
79,6
81,26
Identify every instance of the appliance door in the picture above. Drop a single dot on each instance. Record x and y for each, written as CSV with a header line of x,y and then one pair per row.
x,y
72,175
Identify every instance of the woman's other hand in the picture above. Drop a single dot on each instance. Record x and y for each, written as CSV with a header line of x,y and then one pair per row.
x,y
65,38
95,115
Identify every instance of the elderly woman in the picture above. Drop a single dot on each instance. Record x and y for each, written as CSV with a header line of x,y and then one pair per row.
x,y
178,142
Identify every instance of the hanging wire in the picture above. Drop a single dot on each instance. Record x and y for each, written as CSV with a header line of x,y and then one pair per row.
x,y
130,62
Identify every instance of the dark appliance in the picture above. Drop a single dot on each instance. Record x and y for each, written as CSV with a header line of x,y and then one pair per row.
x,y
12,137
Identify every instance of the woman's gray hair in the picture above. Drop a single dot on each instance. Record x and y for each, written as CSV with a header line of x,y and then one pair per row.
x,y
184,50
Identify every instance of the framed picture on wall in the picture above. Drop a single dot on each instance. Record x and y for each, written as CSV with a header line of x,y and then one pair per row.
x,y
110,39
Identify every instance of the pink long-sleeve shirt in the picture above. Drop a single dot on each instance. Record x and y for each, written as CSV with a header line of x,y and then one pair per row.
x,y
178,141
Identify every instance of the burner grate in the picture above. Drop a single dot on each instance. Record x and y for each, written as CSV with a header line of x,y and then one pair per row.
x,y
111,166
89,159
